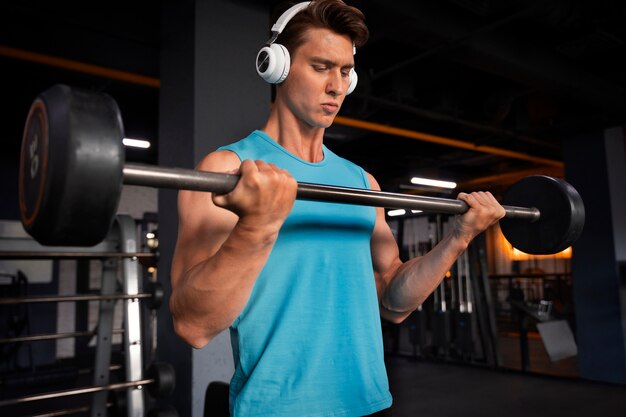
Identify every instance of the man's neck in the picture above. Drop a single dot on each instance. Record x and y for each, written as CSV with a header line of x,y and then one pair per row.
x,y
297,137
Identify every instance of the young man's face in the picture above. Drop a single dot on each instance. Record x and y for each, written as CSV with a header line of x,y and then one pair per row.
x,y
319,77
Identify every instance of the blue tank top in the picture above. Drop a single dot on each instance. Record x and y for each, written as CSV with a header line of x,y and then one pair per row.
x,y
308,342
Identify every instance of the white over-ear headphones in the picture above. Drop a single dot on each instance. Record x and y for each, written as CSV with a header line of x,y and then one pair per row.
x,y
273,60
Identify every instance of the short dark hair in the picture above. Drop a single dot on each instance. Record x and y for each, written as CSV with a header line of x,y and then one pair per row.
x,y
328,14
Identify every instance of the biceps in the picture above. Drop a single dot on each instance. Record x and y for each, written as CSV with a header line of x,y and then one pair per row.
x,y
202,229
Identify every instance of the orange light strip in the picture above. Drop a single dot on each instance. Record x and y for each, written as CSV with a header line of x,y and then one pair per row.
x,y
510,177
72,65
518,255
441,140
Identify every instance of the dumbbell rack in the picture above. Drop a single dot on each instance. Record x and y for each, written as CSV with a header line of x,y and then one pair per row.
x,y
127,241
121,244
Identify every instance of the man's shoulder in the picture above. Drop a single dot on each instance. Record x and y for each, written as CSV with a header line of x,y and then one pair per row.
x,y
228,155
249,141
220,160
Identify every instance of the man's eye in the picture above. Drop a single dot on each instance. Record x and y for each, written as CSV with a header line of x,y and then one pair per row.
x,y
319,68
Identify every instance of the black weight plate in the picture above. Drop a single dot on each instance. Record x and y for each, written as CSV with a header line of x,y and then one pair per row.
x,y
562,215
71,167
156,289
164,379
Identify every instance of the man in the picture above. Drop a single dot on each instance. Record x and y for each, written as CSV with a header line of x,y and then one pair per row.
x,y
301,284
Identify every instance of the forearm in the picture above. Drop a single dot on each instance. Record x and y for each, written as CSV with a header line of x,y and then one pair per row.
x,y
208,297
416,279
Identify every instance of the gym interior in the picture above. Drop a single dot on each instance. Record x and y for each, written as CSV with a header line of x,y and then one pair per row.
x,y
480,93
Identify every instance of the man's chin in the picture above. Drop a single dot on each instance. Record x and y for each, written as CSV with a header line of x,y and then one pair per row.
x,y
326,121
321,122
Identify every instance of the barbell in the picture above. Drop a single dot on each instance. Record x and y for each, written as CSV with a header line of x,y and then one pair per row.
x,y
53,336
153,295
160,380
72,171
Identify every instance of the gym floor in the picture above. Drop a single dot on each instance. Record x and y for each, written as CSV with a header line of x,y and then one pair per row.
x,y
427,389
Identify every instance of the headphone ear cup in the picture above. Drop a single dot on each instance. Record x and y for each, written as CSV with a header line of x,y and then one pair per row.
x,y
272,63
354,79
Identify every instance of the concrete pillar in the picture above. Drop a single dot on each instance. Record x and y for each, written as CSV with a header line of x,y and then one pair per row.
x,y
596,165
210,96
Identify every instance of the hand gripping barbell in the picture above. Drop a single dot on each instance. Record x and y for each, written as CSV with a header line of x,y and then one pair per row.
x,y
72,171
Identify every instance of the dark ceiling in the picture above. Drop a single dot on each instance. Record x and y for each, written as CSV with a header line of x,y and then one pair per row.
x,y
506,81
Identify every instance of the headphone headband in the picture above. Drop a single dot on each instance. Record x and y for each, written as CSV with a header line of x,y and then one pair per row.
x,y
282,21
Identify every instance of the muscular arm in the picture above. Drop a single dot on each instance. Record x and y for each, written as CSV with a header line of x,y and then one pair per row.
x,y
223,243
402,287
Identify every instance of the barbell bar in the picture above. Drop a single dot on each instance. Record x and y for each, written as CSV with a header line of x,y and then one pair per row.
x,y
160,380
219,183
13,255
72,171
70,298
153,294
76,391
53,336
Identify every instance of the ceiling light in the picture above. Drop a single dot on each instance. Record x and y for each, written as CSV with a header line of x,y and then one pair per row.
x,y
400,212
433,183
136,143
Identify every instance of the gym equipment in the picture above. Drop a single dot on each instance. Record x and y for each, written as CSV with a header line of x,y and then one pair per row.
x,y
164,377
216,399
53,336
154,294
72,170
464,321
482,302
161,383
558,202
121,280
155,289
273,60
144,257
441,317
41,377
